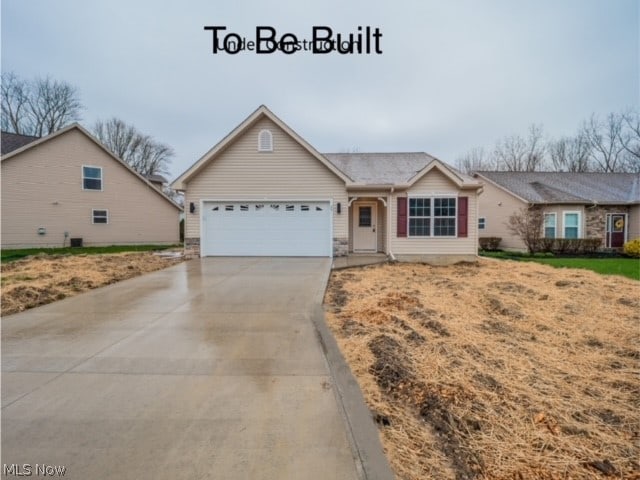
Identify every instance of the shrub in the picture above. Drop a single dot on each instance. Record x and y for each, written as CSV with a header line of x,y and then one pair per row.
x,y
632,248
591,245
546,244
489,243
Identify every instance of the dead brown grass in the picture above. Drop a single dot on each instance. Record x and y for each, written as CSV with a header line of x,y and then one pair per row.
x,y
495,370
43,279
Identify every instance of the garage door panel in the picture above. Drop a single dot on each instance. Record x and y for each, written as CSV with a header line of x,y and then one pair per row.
x,y
266,229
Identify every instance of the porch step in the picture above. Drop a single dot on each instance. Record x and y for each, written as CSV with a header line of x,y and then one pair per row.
x,y
359,259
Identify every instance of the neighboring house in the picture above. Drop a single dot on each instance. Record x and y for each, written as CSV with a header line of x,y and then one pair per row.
x,y
263,190
68,185
156,180
575,205
14,141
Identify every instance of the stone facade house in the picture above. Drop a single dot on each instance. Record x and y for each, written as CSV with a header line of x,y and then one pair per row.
x,y
575,205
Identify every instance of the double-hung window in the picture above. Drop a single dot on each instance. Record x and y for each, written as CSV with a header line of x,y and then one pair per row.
x,y
91,178
571,224
549,225
432,216
419,217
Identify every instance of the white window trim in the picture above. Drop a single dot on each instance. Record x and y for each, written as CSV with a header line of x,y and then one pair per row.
x,y
101,178
93,215
484,222
555,224
260,149
432,216
564,223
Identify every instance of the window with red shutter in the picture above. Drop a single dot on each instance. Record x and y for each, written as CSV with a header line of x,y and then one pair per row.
x,y
463,216
402,217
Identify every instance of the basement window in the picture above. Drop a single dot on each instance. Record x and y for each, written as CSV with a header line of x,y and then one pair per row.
x,y
265,141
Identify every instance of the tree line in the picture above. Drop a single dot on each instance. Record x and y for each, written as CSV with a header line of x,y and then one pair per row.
x,y
609,144
41,106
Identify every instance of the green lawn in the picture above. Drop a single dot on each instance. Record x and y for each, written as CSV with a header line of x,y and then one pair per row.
x,y
628,267
10,255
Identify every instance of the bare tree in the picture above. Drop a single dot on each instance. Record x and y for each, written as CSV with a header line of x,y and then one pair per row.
x,y
630,139
569,154
38,107
527,223
14,103
145,155
605,140
475,160
517,154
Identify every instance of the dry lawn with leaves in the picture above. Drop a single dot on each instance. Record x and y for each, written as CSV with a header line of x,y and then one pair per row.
x,y
43,279
497,369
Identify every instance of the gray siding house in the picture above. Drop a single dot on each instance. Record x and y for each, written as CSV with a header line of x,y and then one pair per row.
x,y
264,190
575,205
68,185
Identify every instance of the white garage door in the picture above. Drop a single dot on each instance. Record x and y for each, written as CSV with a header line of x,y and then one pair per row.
x,y
266,229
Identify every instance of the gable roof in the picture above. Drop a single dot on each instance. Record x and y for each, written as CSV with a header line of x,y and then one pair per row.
x,y
261,111
13,141
401,169
380,168
568,187
78,127
355,169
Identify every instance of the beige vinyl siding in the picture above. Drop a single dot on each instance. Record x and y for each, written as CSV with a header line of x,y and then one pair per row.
x,y
289,172
42,187
634,222
496,206
381,227
435,182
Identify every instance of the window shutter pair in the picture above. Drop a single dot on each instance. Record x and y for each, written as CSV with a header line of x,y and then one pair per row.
x,y
463,217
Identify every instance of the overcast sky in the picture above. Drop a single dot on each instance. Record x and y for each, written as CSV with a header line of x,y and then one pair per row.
x,y
453,74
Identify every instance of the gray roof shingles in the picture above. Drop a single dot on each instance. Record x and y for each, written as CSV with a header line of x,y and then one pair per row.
x,y
568,187
14,141
384,168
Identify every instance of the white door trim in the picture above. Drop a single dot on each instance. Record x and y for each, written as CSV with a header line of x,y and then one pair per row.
x,y
608,227
374,223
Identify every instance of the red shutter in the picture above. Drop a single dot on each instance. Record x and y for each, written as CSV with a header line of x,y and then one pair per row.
x,y
463,216
402,217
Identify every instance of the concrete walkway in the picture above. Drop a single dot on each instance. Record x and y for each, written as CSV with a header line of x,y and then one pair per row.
x,y
209,369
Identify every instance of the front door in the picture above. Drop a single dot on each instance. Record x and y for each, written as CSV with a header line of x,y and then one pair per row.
x,y
364,228
616,229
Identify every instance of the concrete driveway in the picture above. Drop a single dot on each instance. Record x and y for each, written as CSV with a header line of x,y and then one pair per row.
x,y
209,369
